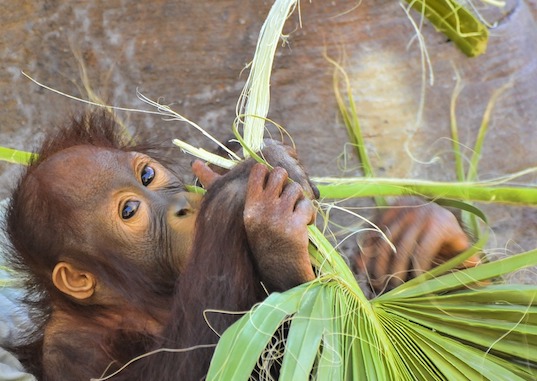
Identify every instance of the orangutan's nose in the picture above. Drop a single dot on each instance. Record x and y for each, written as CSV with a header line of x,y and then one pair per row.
x,y
181,206
185,204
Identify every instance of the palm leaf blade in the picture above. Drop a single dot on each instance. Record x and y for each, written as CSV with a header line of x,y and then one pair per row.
x,y
498,335
305,335
471,276
248,337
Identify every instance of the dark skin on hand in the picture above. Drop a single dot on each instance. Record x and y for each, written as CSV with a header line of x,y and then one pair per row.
x,y
124,261
423,234
276,214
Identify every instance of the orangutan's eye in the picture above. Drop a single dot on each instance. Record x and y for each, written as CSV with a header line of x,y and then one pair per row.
x,y
129,209
148,174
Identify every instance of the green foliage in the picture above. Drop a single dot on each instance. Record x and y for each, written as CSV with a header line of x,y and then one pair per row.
x,y
442,325
477,191
456,22
14,156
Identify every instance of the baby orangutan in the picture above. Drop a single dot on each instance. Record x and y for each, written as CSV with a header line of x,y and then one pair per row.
x,y
121,260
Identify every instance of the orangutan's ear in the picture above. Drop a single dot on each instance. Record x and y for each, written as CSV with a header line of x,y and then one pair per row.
x,y
72,281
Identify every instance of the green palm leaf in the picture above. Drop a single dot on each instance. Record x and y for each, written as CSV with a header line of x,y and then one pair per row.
x,y
449,327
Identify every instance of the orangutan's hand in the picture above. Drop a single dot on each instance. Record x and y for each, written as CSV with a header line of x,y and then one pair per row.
x,y
424,235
